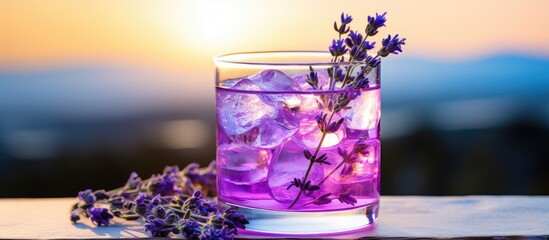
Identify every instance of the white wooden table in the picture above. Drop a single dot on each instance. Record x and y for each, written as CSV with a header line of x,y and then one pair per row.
x,y
400,216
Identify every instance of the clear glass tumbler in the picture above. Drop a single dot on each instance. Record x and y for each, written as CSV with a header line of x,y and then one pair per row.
x,y
298,148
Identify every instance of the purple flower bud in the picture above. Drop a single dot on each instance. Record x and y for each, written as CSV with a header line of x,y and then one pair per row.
x,y
362,83
171,170
391,45
209,232
322,200
141,198
352,94
100,195
74,216
341,152
235,219
346,18
337,48
372,62
374,23
171,217
158,227
354,39
190,229
159,212
164,185
347,198
369,46
358,53
87,196
134,181
100,216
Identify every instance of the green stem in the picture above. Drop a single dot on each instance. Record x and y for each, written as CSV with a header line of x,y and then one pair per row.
x,y
311,163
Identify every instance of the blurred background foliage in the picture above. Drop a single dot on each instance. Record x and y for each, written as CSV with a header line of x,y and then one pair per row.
x,y
90,91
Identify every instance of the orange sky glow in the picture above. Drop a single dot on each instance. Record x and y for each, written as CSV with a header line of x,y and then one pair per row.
x,y
186,34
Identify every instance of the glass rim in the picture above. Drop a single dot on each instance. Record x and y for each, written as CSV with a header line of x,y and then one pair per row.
x,y
243,58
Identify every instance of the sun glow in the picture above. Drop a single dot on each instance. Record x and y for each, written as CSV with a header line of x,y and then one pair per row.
x,y
208,26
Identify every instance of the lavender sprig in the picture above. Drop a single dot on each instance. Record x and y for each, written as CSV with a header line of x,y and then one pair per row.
x,y
374,23
169,203
356,45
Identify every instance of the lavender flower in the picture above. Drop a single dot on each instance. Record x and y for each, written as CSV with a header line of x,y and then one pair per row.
x,y
299,184
374,23
391,45
74,216
100,216
116,201
354,39
164,185
171,171
235,219
361,83
197,204
210,233
164,213
134,182
216,220
100,195
155,201
204,179
158,227
323,199
358,46
338,48
207,208
368,46
341,152
312,78
171,217
334,126
141,198
347,198
358,53
372,61
190,229
87,196
159,211
345,19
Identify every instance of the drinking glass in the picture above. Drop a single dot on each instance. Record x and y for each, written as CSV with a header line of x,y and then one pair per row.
x,y
298,148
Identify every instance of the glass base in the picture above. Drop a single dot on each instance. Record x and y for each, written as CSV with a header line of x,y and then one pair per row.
x,y
307,223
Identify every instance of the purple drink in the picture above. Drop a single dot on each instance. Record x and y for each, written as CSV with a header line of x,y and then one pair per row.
x,y
295,148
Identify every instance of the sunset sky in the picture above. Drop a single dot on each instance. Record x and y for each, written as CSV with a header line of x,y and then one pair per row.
x,y
184,35
93,57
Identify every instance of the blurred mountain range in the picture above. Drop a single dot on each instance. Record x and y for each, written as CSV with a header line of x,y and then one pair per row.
x,y
67,122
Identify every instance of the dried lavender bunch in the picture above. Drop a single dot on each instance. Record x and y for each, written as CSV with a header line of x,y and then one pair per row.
x,y
356,46
177,202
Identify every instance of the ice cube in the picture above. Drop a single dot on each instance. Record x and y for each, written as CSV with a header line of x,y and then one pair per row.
x,y
241,112
310,135
288,164
365,111
241,165
275,80
311,106
271,132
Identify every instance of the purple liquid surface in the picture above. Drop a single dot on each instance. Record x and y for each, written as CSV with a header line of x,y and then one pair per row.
x,y
261,138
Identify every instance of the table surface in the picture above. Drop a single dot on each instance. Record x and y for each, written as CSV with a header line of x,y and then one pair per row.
x,y
400,216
